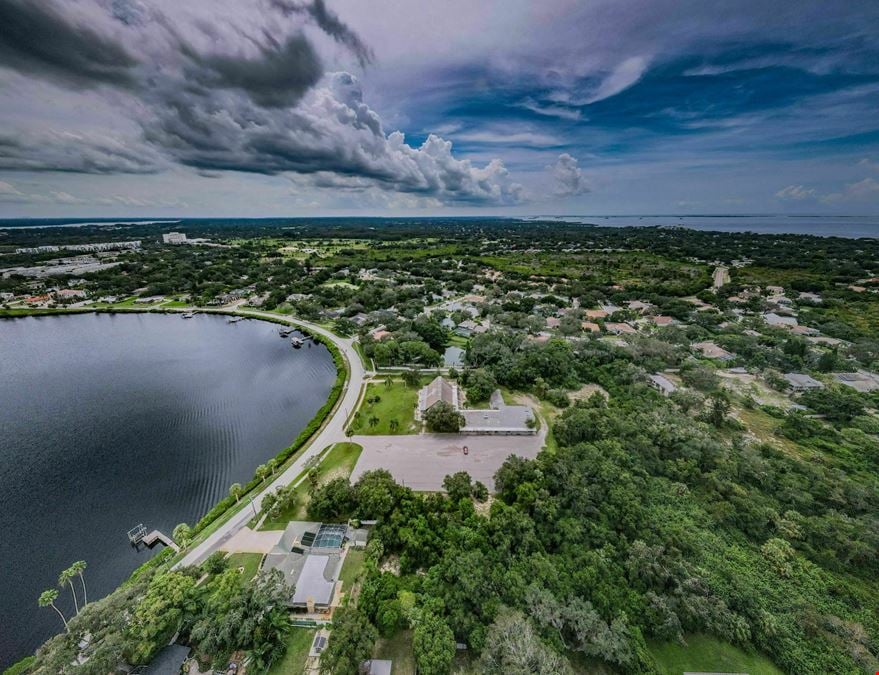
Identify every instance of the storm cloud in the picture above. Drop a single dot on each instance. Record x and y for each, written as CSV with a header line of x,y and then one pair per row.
x,y
37,37
222,98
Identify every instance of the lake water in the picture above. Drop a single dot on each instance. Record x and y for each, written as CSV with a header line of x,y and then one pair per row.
x,y
850,227
107,421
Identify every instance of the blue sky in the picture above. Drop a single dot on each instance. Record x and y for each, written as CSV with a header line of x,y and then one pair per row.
x,y
288,107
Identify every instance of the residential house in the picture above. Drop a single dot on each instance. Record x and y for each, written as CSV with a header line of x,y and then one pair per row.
x,y
802,382
779,320
710,350
662,384
619,328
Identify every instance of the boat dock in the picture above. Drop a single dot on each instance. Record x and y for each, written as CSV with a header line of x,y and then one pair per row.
x,y
138,535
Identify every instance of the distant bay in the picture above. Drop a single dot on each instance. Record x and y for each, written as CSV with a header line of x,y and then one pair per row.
x,y
107,421
850,227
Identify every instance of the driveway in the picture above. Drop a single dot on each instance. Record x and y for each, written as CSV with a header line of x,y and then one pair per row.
x,y
421,462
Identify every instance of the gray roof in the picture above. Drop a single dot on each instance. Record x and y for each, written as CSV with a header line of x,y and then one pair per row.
x,y
317,579
168,661
802,381
438,390
513,417
378,666
663,383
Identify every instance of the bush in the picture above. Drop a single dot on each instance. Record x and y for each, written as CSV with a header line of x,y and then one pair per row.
x,y
558,397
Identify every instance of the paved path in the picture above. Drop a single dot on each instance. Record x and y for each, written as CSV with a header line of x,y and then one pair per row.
x,y
720,276
332,432
421,462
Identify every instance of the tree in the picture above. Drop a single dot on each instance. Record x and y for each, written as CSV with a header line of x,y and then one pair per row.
x,y
235,491
434,645
47,599
350,643
373,421
182,535
66,578
512,647
79,567
394,424
458,486
261,472
313,479
480,384
718,408
272,464
332,500
169,598
441,417
412,377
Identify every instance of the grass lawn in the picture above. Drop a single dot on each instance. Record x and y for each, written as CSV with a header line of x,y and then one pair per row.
x,y
397,402
399,650
352,567
704,653
298,646
338,462
249,561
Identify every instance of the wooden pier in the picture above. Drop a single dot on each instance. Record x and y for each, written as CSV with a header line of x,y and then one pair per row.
x,y
138,535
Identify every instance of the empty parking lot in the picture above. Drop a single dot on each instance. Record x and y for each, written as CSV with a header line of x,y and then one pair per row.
x,y
422,461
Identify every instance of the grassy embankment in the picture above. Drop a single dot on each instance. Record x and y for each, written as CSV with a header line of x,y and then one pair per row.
x,y
707,654
338,462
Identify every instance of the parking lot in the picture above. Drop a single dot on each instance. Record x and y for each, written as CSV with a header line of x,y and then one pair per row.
x,y
422,461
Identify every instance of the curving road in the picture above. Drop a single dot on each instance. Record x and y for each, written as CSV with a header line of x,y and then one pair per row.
x,y
333,431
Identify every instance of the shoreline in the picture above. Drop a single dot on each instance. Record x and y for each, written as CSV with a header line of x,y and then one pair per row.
x,y
222,520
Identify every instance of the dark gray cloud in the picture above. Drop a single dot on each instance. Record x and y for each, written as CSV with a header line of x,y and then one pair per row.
x,y
330,23
38,38
331,135
278,76
70,152
239,95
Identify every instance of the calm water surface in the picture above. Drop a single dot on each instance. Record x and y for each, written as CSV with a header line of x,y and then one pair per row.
x,y
107,421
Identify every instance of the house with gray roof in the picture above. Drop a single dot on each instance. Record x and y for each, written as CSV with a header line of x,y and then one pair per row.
x,y
662,384
802,382
439,389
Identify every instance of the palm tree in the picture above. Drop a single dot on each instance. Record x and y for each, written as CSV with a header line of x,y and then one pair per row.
x,y
66,577
79,567
262,471
394,424
181,535
235,491
47,599
272,464
373,421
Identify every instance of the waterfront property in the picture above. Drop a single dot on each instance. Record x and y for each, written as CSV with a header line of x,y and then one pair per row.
x,y
310,557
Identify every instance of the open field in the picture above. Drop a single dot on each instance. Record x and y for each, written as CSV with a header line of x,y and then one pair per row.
x,y
298,646
707,654
399,650
397,402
